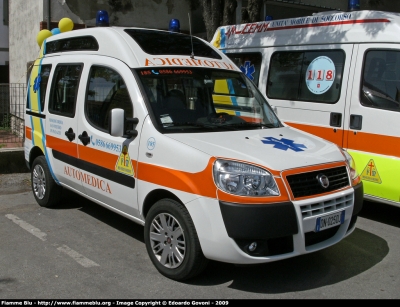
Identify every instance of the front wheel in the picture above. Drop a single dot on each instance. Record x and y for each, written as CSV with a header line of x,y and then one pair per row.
x,y
172,242
46,191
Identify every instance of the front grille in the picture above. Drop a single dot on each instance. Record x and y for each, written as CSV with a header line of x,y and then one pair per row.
x,y
307,184
326,206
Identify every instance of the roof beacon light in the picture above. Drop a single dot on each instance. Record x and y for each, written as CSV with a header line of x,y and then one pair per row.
x,y
268,18
354,5
174,25
102,19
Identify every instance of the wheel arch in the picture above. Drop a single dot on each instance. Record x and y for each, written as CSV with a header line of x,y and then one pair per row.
x,y
156,195
35,152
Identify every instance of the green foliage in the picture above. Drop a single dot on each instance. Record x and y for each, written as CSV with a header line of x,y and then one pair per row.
x,y
5,122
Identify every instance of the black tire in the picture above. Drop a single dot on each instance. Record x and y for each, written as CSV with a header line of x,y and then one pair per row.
x,y
45,190
181,264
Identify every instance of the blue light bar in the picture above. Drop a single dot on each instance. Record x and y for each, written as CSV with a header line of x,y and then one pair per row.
x,y
354,5
267,18
102,19
174,25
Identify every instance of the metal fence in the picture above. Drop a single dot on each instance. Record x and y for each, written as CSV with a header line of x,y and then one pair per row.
x,y
12,107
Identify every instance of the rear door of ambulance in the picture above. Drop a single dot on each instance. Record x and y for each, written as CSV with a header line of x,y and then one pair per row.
x,y
307,86
373,138
61,119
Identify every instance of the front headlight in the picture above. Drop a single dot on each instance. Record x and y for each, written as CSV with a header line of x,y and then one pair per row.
x,y
354,176
244,179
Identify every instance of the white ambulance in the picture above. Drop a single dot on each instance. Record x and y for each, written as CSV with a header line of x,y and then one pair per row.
x,y
335,75
127,118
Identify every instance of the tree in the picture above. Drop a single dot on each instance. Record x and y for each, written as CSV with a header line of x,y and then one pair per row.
x,y
217,13
251,13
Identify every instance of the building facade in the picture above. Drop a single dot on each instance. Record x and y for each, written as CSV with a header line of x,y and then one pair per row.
x,y
4,49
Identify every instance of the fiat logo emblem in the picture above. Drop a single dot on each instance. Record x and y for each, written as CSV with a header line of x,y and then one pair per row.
x,y
323,180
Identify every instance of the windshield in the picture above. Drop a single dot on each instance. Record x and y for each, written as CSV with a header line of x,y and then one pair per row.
x,y
205,100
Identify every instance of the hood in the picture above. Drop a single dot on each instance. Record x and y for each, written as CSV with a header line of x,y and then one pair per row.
x,y
277,149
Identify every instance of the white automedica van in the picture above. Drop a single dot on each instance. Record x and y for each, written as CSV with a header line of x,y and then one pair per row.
x,y
335,75
128,118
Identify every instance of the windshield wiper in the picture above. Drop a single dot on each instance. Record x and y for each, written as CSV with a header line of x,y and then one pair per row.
x,y
255,125
183,124
223,126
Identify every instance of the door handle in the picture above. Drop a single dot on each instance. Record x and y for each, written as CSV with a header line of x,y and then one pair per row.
x,y
355,122
70,134
84,137
336,119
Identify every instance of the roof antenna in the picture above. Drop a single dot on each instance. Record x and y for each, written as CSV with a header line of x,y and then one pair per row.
x,y
191,39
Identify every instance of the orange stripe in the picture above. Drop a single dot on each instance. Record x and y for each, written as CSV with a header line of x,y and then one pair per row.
x,y
101,158
197,183
251,119
375,143
60,145
356,140
200,183
334,135
88,154
308,169
28,133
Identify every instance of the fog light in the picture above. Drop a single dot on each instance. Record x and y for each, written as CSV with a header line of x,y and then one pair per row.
x,y
252,247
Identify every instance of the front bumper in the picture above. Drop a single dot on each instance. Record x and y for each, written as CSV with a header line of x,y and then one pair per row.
x,y
281,230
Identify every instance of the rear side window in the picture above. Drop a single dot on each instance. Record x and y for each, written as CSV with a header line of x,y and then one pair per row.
x,y
381,80
313,76
40,85
44,79
64,89
106,91
72,44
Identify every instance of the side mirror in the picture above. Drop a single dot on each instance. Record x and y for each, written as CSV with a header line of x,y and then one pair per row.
x,y
117,122
121,126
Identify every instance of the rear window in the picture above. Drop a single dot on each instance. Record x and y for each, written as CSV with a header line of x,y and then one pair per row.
x,y
160,42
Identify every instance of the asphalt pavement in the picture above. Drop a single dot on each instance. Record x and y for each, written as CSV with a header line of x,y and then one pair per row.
x,y
80,250
15,183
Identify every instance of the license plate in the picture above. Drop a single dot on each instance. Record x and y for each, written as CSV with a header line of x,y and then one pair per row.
x,y
328,221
